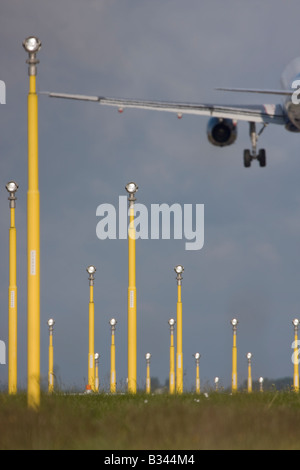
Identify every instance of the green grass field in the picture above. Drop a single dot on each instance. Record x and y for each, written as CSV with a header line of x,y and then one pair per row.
x,y
268,420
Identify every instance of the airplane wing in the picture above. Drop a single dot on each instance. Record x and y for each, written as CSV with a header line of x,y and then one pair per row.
x,y
266,113
261,91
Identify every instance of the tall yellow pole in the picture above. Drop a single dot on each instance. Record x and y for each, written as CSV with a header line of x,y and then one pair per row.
x,y
179,367
249,382
91,356
131,188
113,356
12,292
234,323
50,368
97,356
197,358
296,365
32,46
172,357
148,380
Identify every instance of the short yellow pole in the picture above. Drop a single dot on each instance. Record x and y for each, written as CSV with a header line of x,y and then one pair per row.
x,y
234,323
50,369
179,366
97,356
91,357
12,292
296,365
216,383
148,380
249,381
131,188
113,385
197,358
32,46
172,357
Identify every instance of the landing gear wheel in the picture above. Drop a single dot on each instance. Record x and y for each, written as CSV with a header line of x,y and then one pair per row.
x,y
247,158
262,157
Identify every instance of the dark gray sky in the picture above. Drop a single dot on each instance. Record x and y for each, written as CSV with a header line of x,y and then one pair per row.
x,y
249,265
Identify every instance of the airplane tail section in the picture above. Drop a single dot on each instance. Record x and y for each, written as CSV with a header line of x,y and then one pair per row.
x,y
290,73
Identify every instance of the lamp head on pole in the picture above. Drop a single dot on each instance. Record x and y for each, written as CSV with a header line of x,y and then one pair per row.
x,y
113,323
249,356
91,270
179,269
172,322
50,323
296,324
197,357
234,323
32,45
12,188
147,356
131,188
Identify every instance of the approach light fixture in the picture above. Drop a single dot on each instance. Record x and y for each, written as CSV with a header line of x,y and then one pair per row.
x,y
12,186
179,269
261,383
51,322
32,44
131,187
91,269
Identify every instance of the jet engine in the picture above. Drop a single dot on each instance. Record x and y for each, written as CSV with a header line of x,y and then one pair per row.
x,y
221,132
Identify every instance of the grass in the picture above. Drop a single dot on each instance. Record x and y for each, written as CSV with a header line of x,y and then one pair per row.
x,y
268,420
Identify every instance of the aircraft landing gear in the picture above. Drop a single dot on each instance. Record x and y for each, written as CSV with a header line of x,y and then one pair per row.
x,y
250,155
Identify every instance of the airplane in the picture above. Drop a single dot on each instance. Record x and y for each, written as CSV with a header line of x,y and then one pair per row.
x,y
222,124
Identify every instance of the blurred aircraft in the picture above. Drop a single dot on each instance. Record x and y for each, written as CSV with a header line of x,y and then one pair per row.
x,y
222,125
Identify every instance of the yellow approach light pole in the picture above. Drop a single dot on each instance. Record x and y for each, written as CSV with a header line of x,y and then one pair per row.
x,y
216,383
91,359
12,292
97,356
172,357
249,383
131,188
179,368
148,380
296,365
197,359
50,369
32,45
113,323
234,323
